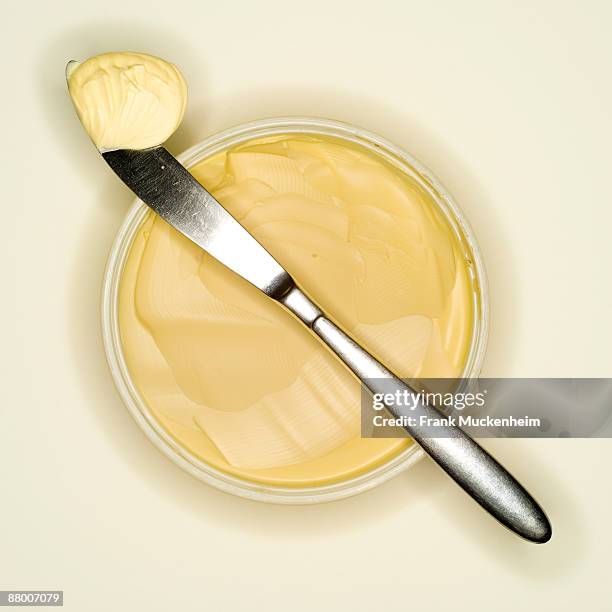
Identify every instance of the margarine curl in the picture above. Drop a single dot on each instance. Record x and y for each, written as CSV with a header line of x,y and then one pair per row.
x,y
127,100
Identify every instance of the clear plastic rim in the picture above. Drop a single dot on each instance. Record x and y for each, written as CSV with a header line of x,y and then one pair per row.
x,y
110,320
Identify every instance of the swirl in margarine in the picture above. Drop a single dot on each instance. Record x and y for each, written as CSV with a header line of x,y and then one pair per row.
x,y
233,376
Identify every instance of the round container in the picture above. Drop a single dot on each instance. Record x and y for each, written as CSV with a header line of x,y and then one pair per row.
x,y
112,278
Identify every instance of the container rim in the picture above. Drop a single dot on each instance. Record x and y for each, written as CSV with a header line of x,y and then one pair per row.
x,y
110,319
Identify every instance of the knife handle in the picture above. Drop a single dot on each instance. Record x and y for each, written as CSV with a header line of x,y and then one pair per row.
x,y
465,461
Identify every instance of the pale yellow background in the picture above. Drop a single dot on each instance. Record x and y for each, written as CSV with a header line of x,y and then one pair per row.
x,y
508,102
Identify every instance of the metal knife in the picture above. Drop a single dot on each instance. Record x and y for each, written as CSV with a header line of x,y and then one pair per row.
x,y
160,181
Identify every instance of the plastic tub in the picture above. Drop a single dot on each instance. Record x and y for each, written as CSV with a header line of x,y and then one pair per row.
x,y
110,324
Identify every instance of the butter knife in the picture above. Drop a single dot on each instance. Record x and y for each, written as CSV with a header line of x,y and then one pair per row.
x,y
160,181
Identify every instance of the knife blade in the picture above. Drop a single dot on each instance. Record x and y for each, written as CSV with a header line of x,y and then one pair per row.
x,y
160,181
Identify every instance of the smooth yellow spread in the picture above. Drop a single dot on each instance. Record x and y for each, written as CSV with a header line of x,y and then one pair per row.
x,y
127,100
232,375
